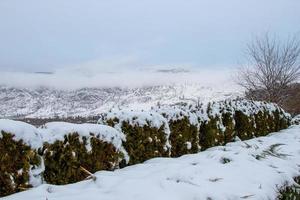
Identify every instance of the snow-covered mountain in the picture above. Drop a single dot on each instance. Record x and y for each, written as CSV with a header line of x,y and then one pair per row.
x,y
48,102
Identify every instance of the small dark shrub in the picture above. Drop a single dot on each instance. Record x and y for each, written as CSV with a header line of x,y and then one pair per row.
x,y
184,137
210,134
144,142
16,161
63,159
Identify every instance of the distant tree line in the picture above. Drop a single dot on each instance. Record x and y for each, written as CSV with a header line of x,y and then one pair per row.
x,y
75,119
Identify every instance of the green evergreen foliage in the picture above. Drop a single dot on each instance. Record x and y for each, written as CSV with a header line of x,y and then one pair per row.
x,y
63,159
263,123
290,192
144,142
16,160
210,134
229,125
112,122
259,124
280,122
244,125
210,131
219,124
184,137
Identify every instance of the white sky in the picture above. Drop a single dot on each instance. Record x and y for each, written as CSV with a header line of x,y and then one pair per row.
x,y
49,35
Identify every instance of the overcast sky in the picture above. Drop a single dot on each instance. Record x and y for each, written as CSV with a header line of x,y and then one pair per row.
x,y
49,35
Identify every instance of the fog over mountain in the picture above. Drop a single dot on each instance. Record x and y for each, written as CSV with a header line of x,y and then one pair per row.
x,y
69,93
75,78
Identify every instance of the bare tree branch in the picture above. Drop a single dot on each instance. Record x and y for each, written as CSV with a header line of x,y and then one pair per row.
x,y
273,67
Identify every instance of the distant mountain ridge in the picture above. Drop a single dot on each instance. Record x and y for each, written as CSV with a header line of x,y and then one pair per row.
x,y
44,102
173,70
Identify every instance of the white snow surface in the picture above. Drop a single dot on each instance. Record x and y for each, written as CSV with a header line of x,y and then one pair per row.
x,y
139,118
47,102
194,177
246,106
199,112
22,131
173,113
54,131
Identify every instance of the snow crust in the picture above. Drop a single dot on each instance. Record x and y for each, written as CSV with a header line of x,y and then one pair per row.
x,y
159,115
176,112
55,131
253,169
138,118
194,112
22,131
247,107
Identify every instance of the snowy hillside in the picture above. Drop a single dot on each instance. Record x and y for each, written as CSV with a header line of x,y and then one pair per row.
x,y
46,102
253,169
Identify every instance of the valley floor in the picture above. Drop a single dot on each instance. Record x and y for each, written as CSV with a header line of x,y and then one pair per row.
x,y
253,169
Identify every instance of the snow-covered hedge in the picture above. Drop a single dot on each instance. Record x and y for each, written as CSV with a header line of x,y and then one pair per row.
x,y
184,128
20,164
147,133
197,127
61,153
226,120
193,127
257,169
69,147
55,153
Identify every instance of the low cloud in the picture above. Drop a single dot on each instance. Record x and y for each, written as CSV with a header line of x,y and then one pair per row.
x,y
138,78
122,72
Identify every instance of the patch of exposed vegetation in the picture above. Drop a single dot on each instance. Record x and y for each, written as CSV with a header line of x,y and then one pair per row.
x,y
64,160
17,159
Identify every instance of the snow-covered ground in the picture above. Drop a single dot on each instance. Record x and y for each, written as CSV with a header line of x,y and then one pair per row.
x,y
296,120
253,169
149,88
47,102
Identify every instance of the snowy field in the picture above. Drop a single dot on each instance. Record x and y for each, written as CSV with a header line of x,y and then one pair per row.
x,y
253,169
49,95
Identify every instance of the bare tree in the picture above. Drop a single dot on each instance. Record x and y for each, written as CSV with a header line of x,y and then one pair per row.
x,y
273,67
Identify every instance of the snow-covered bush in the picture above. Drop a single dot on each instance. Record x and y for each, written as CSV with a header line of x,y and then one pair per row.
x,y
296,120
197,127
20,164
57,153
220,122
254,119
245,119
290,192
69,147
147,133
184,128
